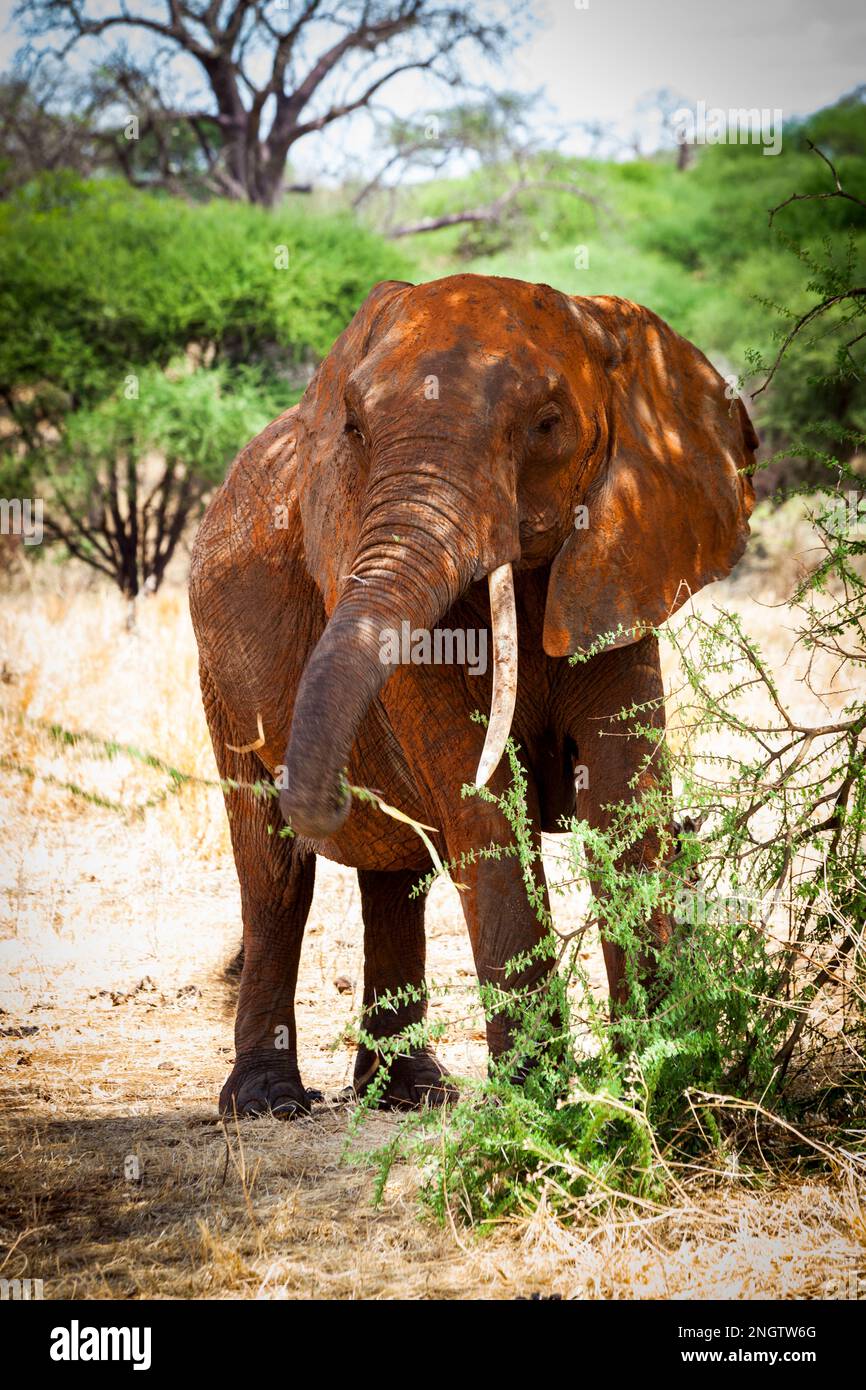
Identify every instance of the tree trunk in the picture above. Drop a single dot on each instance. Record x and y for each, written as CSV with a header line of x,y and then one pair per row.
x,y
685,151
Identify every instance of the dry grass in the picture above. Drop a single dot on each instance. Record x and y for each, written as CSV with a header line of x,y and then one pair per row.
x,y
115,1034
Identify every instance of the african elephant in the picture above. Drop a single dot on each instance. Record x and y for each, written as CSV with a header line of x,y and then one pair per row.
x,y
436,464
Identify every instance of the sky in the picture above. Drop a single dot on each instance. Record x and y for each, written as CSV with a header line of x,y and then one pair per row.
x,y
598,61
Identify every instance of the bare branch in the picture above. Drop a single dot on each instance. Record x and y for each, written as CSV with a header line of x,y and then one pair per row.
x,y
837,192
859,292
225,39
492,212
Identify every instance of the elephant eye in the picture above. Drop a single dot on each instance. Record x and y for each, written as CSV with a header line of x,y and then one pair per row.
x,y
353,428
547,424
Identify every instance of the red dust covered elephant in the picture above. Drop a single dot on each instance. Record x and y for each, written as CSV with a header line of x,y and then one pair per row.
x,y
479,455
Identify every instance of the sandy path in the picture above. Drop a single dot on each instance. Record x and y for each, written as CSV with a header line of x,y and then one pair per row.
x,y
113,934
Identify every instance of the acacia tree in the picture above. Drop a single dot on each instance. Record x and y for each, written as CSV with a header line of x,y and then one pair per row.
x,y
35,138
126,477
273,70
500,136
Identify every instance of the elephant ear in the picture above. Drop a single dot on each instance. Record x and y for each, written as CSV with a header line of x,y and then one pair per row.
x,y
329,497
667,512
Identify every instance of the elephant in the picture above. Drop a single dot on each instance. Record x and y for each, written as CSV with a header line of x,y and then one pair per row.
x,y
480,454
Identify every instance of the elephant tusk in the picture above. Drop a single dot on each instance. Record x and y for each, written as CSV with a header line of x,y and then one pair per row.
x,y
503,615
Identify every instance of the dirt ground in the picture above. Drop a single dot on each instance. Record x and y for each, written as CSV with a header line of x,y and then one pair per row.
x,y
120,909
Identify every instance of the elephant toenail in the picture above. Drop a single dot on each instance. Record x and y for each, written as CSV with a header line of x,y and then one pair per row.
x,y
254,1109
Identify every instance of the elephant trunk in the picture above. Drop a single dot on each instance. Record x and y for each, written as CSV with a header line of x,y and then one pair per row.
x,y
388,587
343,677
406,568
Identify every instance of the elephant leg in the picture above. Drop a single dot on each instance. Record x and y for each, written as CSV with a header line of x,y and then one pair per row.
x,y
394,958
432,714
502,922
276,898
622,766
276,883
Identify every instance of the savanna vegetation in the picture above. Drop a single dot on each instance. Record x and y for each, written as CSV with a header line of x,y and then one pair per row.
x,y
231,305
143,338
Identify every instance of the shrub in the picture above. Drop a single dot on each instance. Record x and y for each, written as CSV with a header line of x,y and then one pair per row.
x,y
101,289
99,280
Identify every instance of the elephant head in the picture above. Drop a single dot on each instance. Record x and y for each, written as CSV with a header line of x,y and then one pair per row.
x,y
465,427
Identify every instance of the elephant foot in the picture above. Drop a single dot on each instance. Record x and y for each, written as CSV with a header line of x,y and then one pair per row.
x,y
265,1083
415,1080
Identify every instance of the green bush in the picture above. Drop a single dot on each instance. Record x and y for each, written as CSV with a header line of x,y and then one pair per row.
x,y
101,288
767,904
97,280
